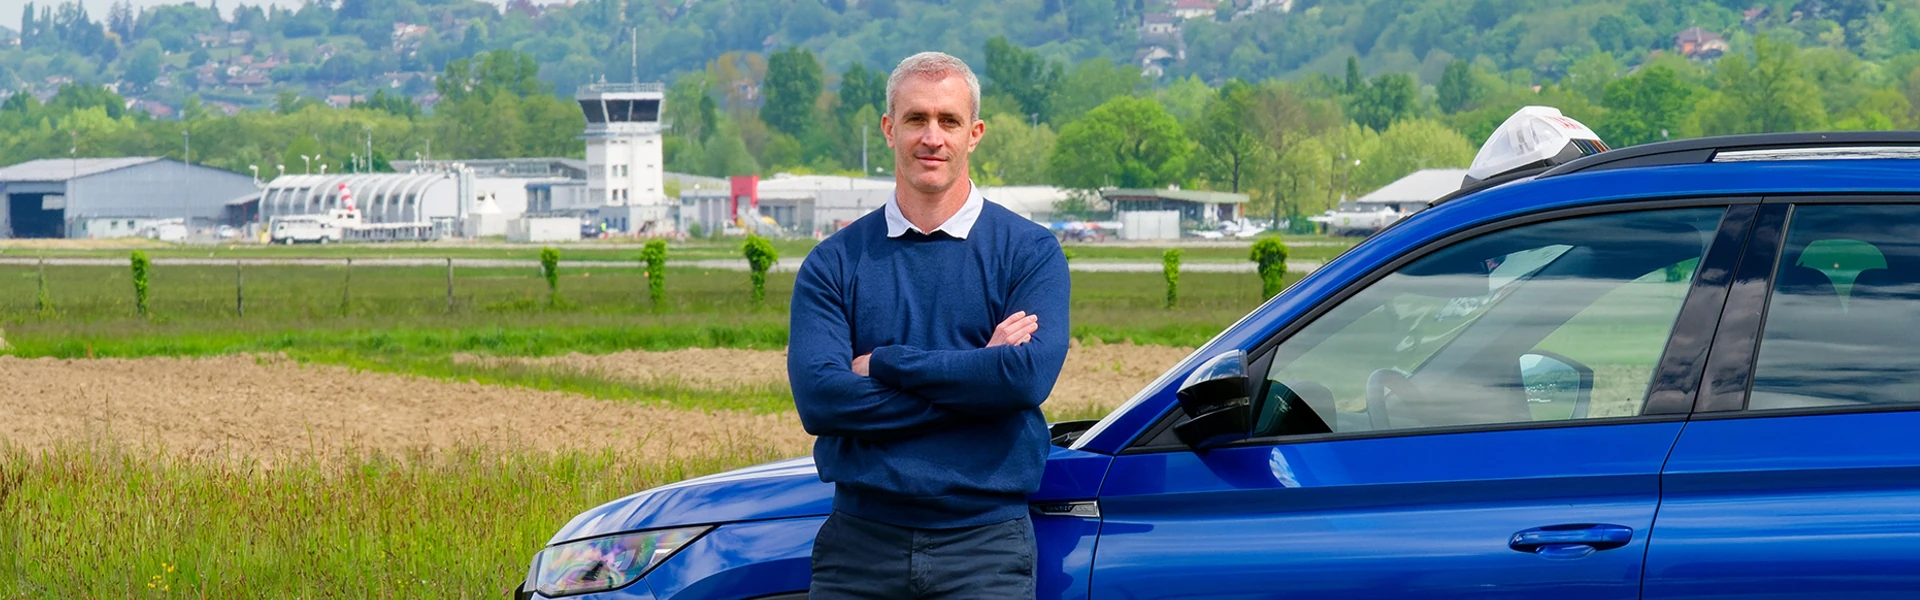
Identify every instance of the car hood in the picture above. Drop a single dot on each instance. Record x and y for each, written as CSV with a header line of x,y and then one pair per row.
x,y
775,490
784,490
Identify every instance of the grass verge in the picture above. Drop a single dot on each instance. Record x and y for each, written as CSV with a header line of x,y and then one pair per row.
x,y
97,521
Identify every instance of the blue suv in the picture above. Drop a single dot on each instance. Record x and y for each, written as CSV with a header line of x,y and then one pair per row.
x,y
1682,370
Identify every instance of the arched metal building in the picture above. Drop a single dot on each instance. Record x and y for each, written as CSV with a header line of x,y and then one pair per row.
x,y
381,197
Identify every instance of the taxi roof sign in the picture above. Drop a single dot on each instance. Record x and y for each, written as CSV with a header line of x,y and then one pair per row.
x,y
1535,137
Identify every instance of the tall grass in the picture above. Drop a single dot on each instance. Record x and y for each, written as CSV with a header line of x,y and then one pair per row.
x,y
93,521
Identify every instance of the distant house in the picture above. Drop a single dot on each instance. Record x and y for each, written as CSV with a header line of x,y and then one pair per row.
x,y
407,36
1194,9
1249,7
251,77
224,108
1159,24
1695,42
150,107
1153,60
343,101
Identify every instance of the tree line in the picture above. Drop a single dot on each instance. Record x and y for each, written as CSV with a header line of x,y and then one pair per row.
x,y
349,46
1294,146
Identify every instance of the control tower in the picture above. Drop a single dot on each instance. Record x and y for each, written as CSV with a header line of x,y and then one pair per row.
x,y
625,168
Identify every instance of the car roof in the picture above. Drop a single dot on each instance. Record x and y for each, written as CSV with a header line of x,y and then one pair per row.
x,y
1742,165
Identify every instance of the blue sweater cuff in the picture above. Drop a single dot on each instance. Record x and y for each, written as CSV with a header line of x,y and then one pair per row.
x,y
882,365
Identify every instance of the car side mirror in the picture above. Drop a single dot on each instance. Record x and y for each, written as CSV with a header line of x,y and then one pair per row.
x,y
1558,388
1216,401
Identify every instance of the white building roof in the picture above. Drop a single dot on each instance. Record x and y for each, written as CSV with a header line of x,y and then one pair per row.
x,y
63,169
1421,186
784,182
1027,200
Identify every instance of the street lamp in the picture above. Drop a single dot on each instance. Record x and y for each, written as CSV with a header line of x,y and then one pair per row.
x,y
256,173
309,163
353,162
282,168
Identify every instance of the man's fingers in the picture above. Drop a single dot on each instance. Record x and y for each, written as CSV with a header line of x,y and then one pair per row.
x,y
1013,318
1012,324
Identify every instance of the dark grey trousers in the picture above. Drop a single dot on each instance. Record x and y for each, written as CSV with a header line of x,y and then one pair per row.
x,y
858,558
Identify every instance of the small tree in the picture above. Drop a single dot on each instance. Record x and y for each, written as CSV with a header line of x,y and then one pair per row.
x,y
1170,265
655,255
760,257
1271,255
140,268
550,268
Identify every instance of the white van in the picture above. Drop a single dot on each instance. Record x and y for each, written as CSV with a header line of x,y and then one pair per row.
x,y
304,228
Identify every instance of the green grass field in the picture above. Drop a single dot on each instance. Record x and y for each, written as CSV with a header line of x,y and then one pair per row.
x,y
500,311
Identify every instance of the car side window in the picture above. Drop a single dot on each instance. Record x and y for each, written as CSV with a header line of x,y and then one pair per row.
x,y
1545,322
1841,322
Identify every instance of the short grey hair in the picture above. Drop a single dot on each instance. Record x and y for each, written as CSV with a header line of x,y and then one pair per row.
x,y
933,65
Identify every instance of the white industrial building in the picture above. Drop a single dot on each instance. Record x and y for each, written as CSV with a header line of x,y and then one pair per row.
x,y
1410,194
113,197
818,205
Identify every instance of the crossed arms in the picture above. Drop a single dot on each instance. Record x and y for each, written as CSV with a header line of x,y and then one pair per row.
x,y
898,392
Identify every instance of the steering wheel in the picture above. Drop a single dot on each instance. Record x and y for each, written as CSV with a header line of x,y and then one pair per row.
x,y
1384,382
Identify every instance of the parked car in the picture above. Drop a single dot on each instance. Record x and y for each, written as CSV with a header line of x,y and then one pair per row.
x,y
1678,370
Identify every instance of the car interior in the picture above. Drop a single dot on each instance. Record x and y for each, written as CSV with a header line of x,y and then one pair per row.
x,y
1836,329
1455,338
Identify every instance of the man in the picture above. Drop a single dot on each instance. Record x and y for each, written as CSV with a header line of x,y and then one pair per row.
x,y
925,336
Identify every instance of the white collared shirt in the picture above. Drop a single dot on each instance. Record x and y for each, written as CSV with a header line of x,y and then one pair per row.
x,y
958,225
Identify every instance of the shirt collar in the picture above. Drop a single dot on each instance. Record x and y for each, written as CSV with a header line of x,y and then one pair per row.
x,y
958,225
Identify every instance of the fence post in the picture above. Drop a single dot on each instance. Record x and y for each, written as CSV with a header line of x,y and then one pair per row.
x,y
449,284
346,294
239,290
43,299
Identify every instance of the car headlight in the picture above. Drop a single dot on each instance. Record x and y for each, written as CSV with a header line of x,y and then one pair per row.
x,y
605,563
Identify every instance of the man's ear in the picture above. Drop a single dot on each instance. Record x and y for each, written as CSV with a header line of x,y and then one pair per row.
x,y
886,129
975,133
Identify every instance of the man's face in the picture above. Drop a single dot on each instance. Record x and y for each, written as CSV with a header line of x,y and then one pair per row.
x,y
932,130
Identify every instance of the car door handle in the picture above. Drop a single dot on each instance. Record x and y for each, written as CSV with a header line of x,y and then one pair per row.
x,y
1570,541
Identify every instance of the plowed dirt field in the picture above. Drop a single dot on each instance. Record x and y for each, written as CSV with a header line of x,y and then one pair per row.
x,y
267,407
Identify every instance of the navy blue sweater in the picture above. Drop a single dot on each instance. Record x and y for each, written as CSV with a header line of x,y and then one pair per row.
x,y
946,432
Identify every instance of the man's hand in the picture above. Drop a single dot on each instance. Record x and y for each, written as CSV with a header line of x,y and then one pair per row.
x,y
1016,330
860,365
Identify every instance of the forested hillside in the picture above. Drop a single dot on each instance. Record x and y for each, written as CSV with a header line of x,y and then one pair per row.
x,y
1295,103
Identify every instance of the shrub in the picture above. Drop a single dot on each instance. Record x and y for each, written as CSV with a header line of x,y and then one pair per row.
x,y
760,256
140,268
694,230
655,255
1271,255
550,268
1170,266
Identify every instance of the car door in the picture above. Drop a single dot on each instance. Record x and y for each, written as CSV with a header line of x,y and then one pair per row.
x,y
1487,420
1799,476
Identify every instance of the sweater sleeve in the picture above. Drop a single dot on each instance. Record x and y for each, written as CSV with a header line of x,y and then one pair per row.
x,y
832,400
1001,379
